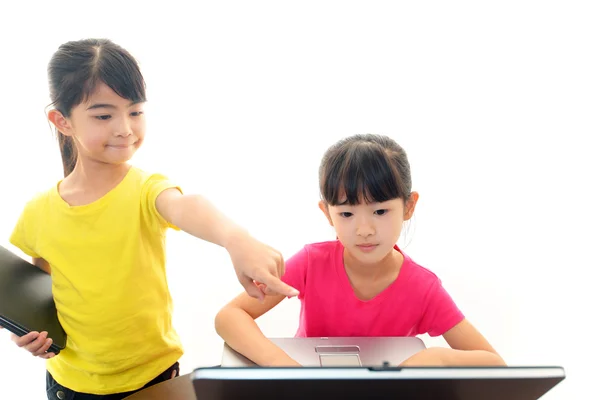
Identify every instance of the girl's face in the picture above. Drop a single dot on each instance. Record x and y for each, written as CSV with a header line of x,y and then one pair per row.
x,y
369,231
106,128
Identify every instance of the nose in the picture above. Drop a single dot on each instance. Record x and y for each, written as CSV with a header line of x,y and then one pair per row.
x,y
365,227
123,128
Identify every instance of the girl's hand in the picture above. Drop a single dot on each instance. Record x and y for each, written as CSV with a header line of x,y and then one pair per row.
x,y
34,342
443,357
431,357
255,263
285,362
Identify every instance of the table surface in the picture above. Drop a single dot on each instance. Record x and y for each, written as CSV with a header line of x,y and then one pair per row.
x,y
179,388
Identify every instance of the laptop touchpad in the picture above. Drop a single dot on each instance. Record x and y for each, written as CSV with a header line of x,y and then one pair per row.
x,y
339,360
338,356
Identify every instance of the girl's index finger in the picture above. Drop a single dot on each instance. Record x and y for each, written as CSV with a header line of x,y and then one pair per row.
x,y
275,285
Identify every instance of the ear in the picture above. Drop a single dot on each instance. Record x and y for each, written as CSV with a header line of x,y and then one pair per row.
x,y
62,124
325,209
409,207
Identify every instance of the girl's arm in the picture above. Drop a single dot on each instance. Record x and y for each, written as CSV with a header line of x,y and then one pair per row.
x,y
235,324
252,260
469,348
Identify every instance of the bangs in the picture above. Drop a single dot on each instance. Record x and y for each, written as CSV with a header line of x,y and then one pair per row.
x,y
362,172
119,72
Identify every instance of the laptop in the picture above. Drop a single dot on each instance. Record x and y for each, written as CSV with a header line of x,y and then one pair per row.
x,y
26,301
337,351
423,383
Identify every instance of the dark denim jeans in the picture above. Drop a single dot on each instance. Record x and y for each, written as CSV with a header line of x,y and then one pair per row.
x,y
56,391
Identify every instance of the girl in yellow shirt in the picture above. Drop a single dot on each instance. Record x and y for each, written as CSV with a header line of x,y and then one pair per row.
x,y
100,233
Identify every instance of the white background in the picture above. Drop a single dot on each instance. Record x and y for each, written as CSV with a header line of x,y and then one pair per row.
x,y
496,104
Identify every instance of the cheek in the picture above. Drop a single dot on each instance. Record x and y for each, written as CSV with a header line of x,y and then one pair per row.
x,y
343,227
139,127
93,139
388,228
396,228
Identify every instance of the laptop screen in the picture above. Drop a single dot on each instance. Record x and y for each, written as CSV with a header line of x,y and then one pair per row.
x,y
465,383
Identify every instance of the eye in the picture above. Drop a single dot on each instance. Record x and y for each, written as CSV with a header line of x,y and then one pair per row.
x,y
136,113
345,214
381,212
102,117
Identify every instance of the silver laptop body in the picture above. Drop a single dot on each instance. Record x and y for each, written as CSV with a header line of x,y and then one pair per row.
x,y
337,351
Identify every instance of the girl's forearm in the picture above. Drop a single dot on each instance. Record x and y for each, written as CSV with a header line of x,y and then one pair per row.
x,y
242,334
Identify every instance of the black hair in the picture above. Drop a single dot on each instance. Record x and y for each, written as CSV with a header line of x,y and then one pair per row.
x,y
365,167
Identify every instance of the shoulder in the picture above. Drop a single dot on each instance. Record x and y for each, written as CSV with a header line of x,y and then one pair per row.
x,y
323,250
36,210
150,183
315,254
321,256
40,200
144,177
309,265
419,276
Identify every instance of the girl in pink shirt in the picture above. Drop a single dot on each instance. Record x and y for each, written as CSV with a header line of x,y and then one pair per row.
x,y
362,284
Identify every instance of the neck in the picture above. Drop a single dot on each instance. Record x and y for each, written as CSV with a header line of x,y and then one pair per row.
x,y
89,173
390,263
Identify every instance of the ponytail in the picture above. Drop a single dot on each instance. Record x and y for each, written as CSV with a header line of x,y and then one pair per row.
x,y
68,153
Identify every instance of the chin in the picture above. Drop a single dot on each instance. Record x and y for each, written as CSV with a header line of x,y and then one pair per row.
x,y
113,161
120,159
371,258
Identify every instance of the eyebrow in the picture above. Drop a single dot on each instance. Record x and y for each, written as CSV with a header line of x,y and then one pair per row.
x,y
106,105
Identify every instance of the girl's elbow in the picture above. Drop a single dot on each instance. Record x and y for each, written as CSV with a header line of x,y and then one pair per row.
x,y
227,319
474,358
490,359
221,321
497,360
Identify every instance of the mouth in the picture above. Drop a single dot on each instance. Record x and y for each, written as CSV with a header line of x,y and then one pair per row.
x,y
121,146
367,247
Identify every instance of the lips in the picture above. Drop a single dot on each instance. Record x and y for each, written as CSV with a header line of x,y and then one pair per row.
x,y
366,247
121,146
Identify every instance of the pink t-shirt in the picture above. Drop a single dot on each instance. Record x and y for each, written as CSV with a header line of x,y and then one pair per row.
x,y
415,303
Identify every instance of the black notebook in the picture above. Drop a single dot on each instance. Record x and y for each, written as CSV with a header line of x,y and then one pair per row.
x,y
26,302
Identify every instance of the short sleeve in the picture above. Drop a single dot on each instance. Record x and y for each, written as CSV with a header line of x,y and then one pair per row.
x,y
295,271
24,233
441,313
151,189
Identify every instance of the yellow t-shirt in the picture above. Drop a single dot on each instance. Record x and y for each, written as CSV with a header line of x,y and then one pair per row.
x,y
108,279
